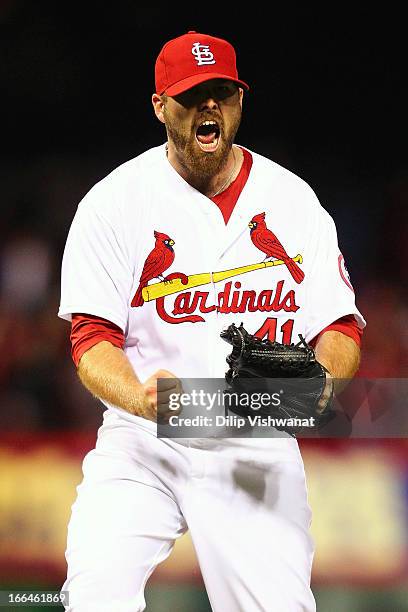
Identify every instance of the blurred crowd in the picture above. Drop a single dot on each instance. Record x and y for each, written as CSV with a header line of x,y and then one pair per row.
x,y
39,388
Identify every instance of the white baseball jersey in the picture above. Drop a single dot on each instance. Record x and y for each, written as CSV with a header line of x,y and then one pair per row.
x,y
112,234
218,276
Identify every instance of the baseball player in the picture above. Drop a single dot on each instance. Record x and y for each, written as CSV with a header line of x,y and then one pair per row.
x,y
162,255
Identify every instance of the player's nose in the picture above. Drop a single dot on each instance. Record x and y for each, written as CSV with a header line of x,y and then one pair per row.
x,y
208,104
207,99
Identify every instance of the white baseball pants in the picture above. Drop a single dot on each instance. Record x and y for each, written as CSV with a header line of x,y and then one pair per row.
x,y
243,500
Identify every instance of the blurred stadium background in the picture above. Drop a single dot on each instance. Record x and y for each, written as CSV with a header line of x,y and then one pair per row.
x,y
327,103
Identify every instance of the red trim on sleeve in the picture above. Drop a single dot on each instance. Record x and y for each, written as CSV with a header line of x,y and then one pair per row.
x,y
87,330
227,199
347,325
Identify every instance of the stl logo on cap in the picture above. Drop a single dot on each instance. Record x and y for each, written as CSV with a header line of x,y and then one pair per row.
x,y
202,54
193,58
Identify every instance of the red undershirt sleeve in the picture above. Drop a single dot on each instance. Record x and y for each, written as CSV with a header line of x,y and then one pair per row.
x,y
347,325
87,330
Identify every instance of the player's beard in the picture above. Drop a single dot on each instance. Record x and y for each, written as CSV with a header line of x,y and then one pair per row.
x,y
202,166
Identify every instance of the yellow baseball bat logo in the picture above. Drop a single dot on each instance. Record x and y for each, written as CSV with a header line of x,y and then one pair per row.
x,y
161,289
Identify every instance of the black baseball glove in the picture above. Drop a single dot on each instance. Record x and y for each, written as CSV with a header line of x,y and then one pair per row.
x,y
290,374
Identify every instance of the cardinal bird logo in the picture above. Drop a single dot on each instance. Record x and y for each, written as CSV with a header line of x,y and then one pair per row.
x,y
157,262
267,242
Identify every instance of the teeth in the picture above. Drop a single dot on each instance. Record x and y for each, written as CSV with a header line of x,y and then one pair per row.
x,y
209,123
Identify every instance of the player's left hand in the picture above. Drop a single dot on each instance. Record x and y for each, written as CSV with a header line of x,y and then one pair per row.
x,y
255,364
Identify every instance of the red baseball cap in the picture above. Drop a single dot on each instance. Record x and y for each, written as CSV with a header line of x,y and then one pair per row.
x,y
193,58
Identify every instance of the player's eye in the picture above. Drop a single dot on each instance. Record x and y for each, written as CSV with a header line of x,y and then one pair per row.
x,y
224,91
201,92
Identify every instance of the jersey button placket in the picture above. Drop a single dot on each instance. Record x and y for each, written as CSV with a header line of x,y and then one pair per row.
x,y
220,248
212,229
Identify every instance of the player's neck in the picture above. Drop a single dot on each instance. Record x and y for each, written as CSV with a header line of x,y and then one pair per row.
x,y
215,184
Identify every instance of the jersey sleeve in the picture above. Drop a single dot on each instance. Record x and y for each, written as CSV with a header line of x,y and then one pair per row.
x,y
330,294
96,277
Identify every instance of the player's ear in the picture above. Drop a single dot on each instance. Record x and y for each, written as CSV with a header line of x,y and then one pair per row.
x,y
158,106
241,95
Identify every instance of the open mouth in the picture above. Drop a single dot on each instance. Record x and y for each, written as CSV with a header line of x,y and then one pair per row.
x,y
208,135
